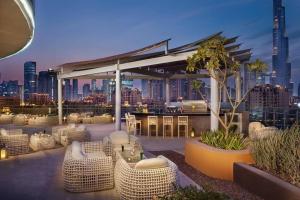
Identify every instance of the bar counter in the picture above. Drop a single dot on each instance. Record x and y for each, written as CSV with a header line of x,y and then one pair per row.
x,y
199,121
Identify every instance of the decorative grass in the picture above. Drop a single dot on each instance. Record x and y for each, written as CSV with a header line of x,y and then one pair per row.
x,y
219,139
280,154
192,193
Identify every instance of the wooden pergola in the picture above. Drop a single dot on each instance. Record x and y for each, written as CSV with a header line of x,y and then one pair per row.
x,y
150,62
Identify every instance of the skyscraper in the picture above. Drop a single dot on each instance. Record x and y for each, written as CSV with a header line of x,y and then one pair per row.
x,y
30,78
86,91
94,85
67,89
52,84
75,90
43,82
281,74
47,83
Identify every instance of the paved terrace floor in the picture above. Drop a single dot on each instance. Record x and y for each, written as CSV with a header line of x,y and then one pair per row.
x,y
38,175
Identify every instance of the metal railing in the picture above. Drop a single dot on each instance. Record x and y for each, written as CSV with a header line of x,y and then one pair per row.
x,y
279,117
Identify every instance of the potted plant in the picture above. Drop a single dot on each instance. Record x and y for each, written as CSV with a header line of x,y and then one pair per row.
x,y
215,151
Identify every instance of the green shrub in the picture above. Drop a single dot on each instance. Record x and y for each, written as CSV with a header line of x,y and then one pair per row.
x,y
219,139
192,193
280,154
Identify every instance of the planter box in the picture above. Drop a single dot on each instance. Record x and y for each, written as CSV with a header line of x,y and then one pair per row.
x,y
214,162
263,184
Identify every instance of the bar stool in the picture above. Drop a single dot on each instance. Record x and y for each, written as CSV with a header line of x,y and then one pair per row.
x,y
152,121
183,121
127,122
167,121
134,123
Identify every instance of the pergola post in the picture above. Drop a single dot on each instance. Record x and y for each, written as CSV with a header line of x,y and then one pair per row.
x,y
167,84
118,99
214,104
59,101
238,86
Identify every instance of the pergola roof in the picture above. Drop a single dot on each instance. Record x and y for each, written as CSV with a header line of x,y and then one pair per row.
x,y
140,64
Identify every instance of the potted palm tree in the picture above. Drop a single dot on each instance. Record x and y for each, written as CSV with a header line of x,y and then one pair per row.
x,y
215,151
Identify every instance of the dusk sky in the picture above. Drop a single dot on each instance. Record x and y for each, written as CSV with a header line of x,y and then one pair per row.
x,y
74,30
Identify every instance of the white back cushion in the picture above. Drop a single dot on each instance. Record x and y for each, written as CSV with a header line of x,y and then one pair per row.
x,y
151,163
77,151
119,137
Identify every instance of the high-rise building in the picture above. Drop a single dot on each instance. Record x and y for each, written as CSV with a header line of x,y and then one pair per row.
x,y
43,82
9,88
281,74
30,78
268,96
75,89
299,90
93,85
105,86
52,84
47,84
86,90
67,89
145,88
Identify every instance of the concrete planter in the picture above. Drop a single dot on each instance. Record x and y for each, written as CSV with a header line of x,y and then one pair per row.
x,y
214,162
265,185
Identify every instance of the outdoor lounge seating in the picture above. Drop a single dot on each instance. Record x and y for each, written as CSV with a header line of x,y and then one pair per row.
x,y
6,118
73,118
86,168
41,141
258,131
116,140
43,120
152,178
20,119
105,118
15,141
69,135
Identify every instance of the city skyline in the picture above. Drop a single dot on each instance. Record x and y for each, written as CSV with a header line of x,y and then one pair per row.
x,y
186,22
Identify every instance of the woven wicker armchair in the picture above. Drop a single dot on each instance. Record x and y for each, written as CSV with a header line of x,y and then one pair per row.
x,y
110,148
92,173
74,134
6,118
105,118
20,119
41,141
15,141
57,132
73,118
137,184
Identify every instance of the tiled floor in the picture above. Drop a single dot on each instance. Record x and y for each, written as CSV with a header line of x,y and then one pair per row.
x,y
38,176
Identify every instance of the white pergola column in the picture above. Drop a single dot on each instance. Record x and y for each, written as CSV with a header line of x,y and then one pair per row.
x,y
214,104
118,100
238,86
167,84
59,100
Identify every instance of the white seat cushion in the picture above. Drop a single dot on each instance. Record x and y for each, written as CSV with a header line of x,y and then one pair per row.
x,y
81,127
71,125
3,132
77,151
151,163
119,137
95,154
